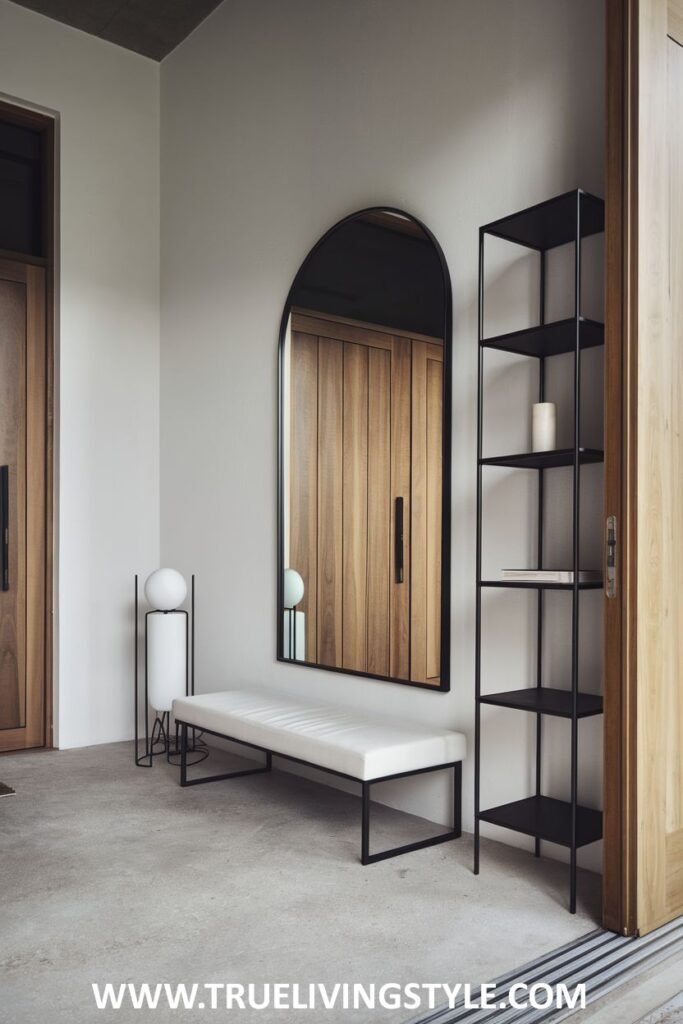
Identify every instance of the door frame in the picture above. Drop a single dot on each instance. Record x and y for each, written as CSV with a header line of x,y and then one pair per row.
x,y
620,390
46,125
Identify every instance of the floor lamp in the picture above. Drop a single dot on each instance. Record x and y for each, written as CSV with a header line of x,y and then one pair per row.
x,y
169,666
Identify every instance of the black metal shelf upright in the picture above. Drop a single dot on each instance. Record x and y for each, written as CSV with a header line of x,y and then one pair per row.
x,y
567,218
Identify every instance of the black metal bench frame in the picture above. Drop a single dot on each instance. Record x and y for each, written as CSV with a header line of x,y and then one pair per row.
x,y
366,857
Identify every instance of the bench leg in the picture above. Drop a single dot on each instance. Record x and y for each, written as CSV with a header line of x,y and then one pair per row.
x,y
454,833
457,800
184,781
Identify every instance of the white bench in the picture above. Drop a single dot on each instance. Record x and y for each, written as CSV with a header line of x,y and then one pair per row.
x,y
364,748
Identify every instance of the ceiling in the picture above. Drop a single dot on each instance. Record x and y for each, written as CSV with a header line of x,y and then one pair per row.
x,y
150,27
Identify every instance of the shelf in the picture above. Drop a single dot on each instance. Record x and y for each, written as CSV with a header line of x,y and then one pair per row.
x,y
545,460
552,223
545,818
546,701
551,339
532,585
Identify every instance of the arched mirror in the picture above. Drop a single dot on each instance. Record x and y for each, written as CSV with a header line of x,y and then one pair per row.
x,y
364,454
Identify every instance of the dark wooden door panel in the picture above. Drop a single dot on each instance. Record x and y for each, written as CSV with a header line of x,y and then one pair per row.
x,y
23,449
13,455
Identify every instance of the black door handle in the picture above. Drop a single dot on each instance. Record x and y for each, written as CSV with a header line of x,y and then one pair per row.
x,y
4,527
398,540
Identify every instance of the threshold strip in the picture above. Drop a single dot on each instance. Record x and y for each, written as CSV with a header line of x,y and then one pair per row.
x,y
600,960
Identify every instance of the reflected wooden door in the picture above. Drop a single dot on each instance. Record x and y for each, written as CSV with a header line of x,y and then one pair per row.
x,y
23,432
364,453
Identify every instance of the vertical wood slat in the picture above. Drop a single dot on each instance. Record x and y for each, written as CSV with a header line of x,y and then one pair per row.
x,y
434,387
653,555
674,820
303,473
380,511
36,546
330,491
355,507
400,488
425,571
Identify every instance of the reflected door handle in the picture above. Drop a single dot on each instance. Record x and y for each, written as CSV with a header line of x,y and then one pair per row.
x,y
4,527
398,539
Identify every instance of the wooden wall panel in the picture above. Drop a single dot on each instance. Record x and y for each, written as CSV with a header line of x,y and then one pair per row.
x,y
380,511
303,469
355,507
330,491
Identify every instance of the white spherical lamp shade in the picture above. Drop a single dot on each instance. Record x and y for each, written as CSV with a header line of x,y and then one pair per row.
x,y
165,589
166,659
294,588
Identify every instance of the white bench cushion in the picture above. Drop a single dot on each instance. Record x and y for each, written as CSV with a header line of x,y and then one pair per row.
x,y
351,742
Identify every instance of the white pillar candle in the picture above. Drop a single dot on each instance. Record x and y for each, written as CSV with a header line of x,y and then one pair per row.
x,y
543,427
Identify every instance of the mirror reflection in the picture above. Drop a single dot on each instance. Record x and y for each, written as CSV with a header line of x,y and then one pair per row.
x,y
363,387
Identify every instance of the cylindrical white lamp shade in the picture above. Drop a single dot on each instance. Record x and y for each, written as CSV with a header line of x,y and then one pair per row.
x,y
543,437
165,589
166,658
293,589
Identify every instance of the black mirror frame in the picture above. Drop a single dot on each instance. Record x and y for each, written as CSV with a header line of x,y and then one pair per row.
x,y
445,683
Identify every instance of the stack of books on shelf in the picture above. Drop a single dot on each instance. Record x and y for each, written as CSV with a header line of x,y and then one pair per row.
x,y
550,576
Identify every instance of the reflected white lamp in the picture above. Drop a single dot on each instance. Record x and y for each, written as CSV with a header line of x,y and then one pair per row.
x,y
294,646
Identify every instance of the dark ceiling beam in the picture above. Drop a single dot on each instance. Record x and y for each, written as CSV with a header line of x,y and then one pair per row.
x,y
150,27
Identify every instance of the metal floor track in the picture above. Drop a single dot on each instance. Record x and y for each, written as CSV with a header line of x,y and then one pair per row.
x,y
601,960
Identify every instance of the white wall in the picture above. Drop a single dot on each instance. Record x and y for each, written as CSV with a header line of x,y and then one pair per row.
x,y
277,120
107,102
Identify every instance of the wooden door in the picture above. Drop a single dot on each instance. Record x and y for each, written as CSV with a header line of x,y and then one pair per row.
x,y
363,401
659,454
23,433
644,459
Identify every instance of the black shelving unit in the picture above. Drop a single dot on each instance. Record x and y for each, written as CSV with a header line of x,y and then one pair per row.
x,y
559,221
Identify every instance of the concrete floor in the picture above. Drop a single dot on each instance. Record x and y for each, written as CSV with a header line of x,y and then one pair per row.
x,y
113,873
654,997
